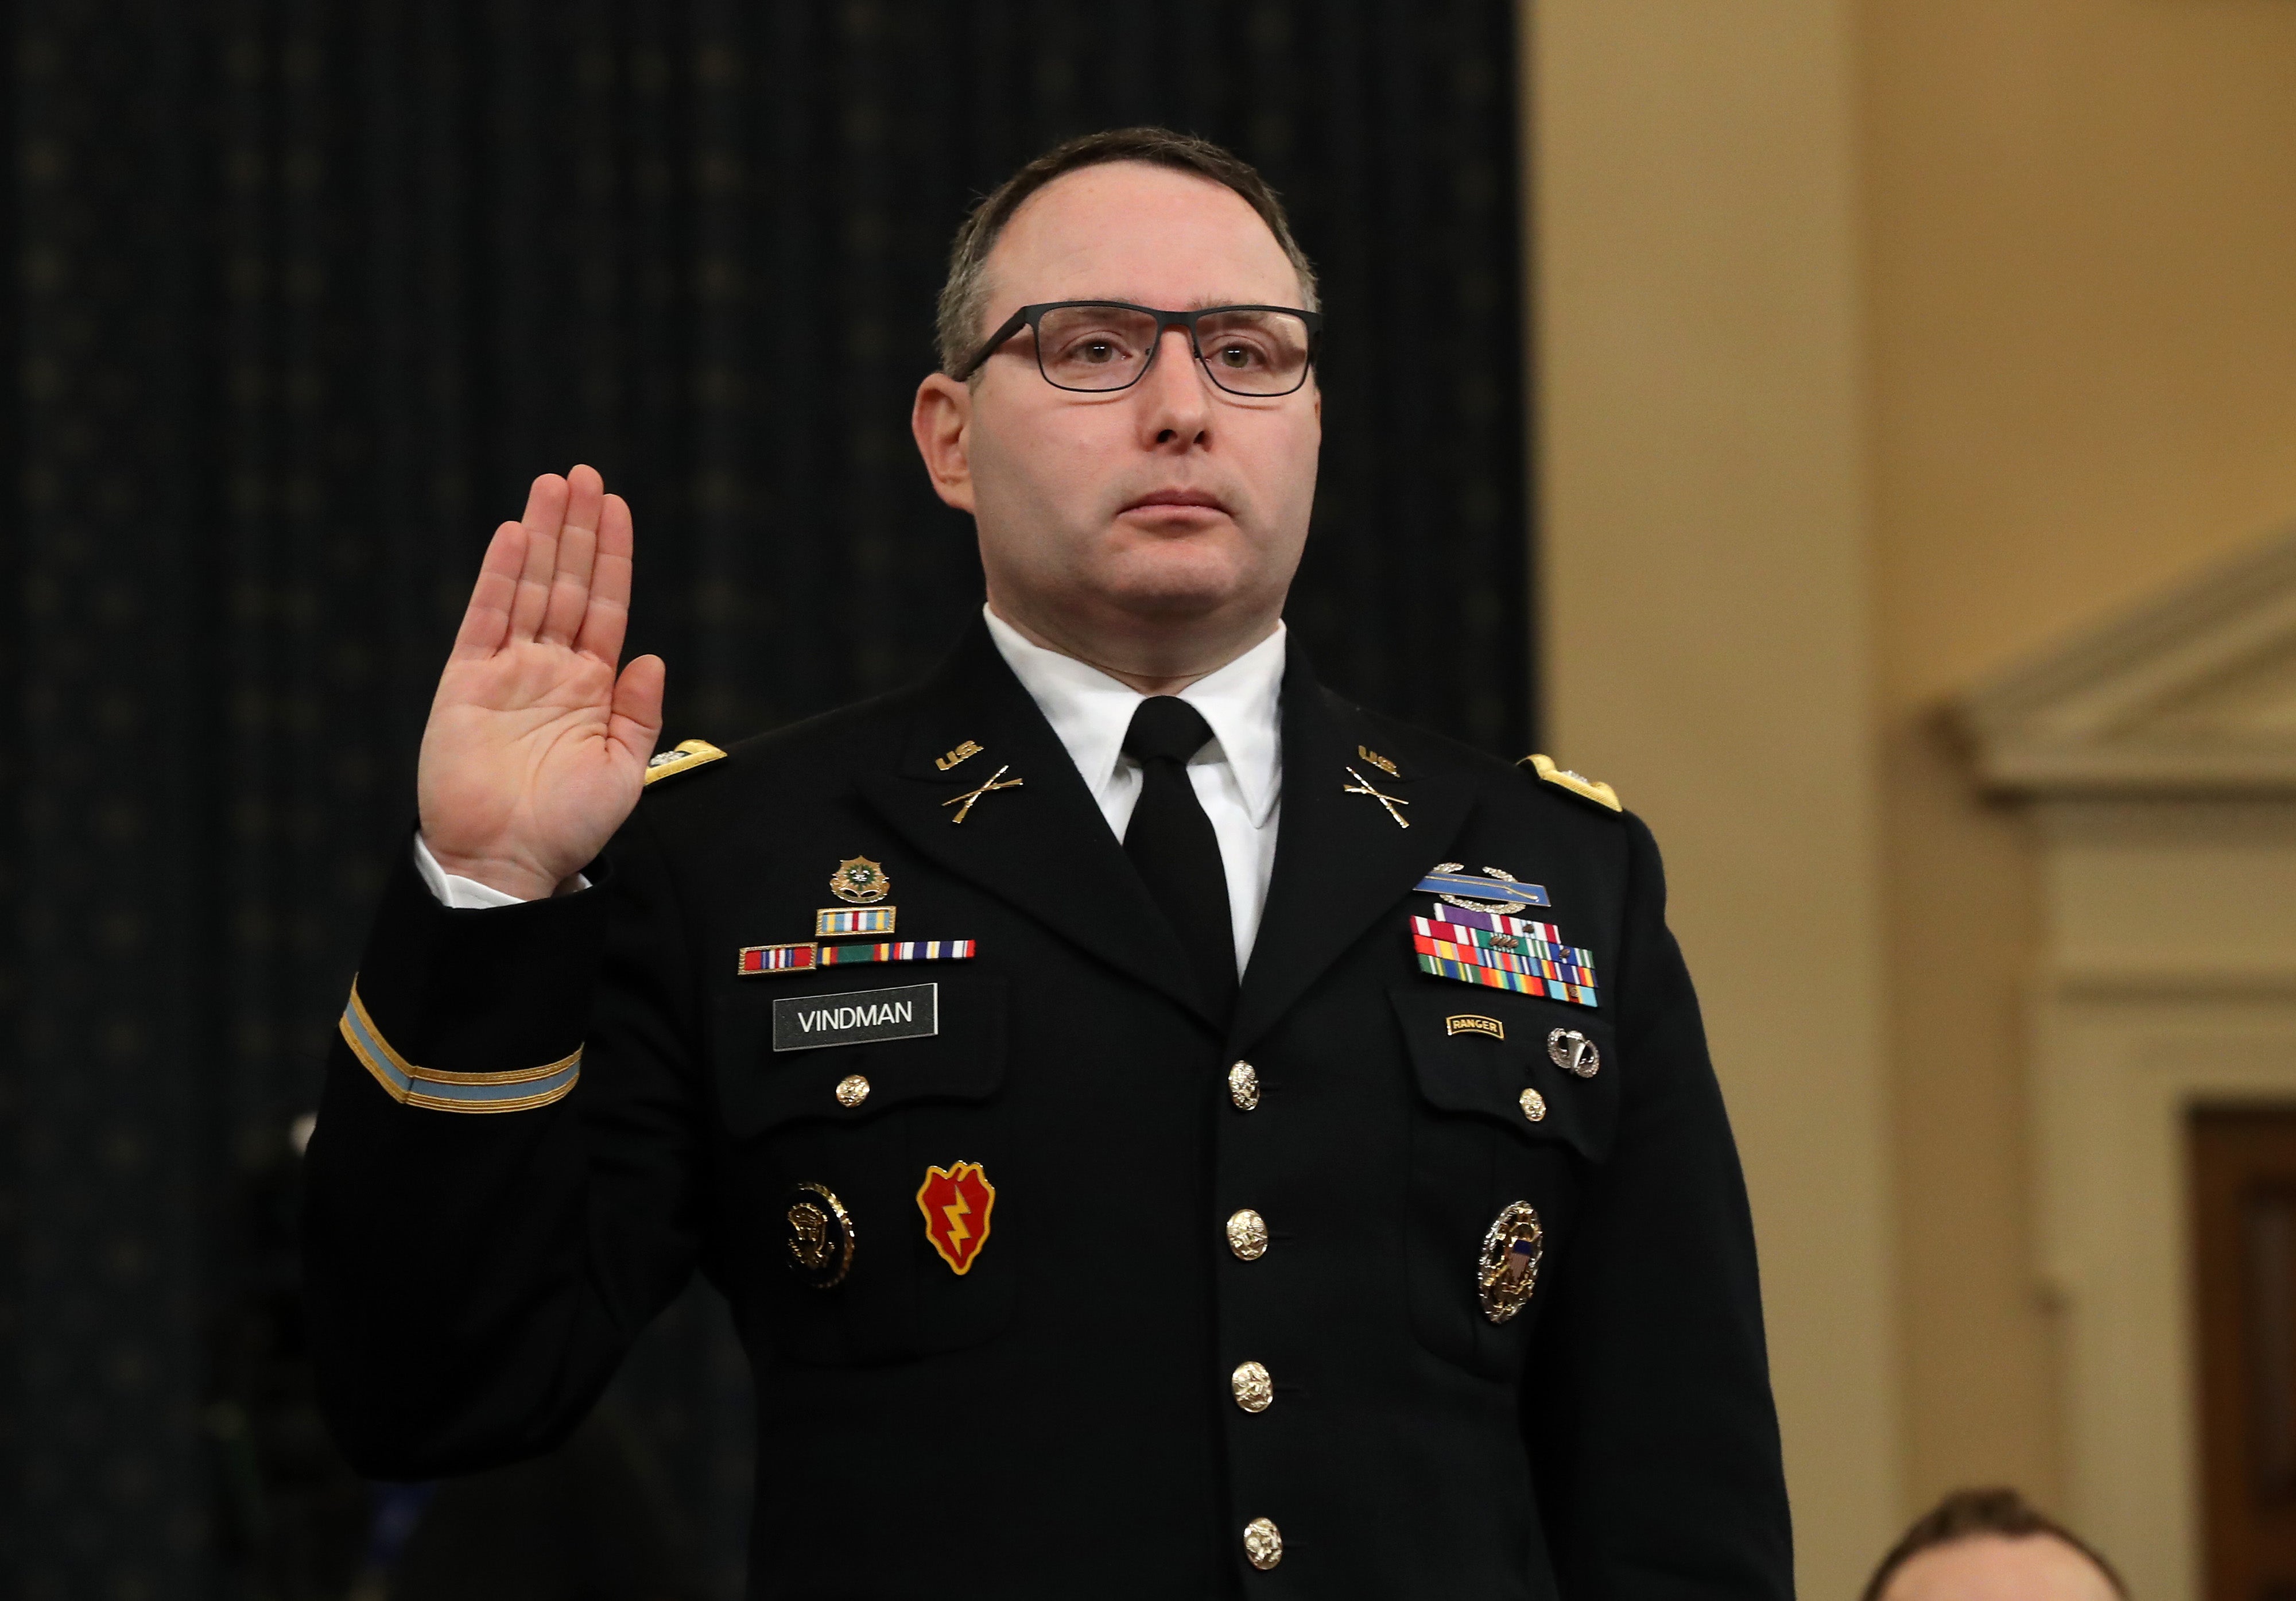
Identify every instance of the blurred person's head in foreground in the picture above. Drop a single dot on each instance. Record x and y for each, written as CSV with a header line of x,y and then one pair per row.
x,y
1989,1545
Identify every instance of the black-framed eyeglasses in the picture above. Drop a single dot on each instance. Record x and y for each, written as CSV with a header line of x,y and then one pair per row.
x,y
1097,347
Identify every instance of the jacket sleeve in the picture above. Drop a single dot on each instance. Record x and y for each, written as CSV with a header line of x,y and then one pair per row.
x,y
500,1189
1657,1457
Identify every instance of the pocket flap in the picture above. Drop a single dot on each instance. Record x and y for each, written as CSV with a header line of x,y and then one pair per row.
x,y
882,1057
1476,1051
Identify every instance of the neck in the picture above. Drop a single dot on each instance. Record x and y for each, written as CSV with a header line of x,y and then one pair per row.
x,y
1156,665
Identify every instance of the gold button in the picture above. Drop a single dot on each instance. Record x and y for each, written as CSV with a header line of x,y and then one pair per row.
x,y
1244,1086
1255,1392
852,1089
1246,1235
1263,1543
1534,1104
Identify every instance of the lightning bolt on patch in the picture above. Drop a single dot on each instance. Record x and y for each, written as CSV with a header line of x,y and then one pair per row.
x,y
957,1202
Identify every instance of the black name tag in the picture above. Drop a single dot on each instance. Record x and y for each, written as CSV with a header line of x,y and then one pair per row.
x,y
806,1022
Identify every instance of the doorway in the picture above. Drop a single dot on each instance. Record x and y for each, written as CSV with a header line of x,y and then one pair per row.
x,y
2244,1213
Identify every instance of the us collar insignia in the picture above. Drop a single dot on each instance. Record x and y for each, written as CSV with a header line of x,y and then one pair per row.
x,y
956,1202
1363,786
971,797
1502,892
963,752
683,757
859,882
1378,761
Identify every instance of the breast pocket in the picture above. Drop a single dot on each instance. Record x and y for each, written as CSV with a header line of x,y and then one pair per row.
x,y
1517,1101
863,1126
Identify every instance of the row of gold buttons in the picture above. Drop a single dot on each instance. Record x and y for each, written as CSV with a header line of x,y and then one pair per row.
x,y
1249,1384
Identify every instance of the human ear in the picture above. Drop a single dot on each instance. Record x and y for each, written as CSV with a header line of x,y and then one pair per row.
x,y
942,421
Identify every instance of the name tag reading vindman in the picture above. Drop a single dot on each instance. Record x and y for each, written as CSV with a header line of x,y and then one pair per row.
x,y
808,1023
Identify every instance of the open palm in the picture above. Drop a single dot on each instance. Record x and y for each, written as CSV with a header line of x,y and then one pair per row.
x,y
537,747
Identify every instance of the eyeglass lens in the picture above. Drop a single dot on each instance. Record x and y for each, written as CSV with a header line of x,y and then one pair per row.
x,y
1247,352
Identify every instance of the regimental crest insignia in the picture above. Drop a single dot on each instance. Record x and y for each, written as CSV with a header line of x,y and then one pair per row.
x,y
859,882
957,1202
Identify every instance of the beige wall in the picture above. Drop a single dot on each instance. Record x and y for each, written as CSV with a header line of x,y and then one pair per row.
x,y
1709,650
2081,249
1881,343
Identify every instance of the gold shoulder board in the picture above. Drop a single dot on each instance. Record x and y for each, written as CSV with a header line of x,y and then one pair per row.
x,y
687,755
1602,794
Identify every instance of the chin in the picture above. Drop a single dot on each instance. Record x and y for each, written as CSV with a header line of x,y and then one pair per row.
x,y
1173,583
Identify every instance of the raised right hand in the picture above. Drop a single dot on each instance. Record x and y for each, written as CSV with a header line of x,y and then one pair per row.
x,y
536,749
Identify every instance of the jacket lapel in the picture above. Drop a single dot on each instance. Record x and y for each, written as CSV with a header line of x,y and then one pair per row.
x,y
1043,846
1340,858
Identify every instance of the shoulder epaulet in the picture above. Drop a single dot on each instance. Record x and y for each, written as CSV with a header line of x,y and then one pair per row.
x,y
1601,794
682,758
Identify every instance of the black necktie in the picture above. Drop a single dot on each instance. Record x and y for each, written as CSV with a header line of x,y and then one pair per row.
x,y
1171,842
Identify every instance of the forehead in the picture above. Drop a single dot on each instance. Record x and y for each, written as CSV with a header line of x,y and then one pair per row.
x,y
1128,231
1995,1567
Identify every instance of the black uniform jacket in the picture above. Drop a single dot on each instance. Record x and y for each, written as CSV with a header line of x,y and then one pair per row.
x,y
1061,1419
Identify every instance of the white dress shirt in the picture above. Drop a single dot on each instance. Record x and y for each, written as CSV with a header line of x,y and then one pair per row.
x,y
1239,775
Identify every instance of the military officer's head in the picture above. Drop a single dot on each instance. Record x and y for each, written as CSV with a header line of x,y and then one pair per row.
x,y
1142,484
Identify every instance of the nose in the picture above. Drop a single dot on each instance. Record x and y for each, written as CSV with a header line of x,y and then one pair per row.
x,y
1175,402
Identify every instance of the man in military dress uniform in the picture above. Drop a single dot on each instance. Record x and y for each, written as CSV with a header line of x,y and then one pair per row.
x,y
1162,1131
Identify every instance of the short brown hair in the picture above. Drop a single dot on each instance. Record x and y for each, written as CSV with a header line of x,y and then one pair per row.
x,y
1967,1514
963,293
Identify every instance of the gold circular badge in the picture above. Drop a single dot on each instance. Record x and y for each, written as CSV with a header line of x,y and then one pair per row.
x,y
1509,1270
852,1089
820,1241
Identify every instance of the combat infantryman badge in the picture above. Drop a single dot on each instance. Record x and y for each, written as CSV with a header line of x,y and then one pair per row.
x,y
859,882
1501,891
1509,1271
956,1202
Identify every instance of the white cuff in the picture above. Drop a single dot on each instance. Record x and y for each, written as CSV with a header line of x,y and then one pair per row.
x,y
460,894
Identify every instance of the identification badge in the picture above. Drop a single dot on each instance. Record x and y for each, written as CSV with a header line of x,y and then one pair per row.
x,y
809,1022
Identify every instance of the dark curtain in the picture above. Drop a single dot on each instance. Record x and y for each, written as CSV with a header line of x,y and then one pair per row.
x,y
302,294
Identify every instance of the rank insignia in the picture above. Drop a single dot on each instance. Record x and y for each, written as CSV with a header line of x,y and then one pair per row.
x,y
899,951
1509,1270
758,959
683,757
820,1239
957,1202
1527,957
1578,784
839,920
1500,891
859,882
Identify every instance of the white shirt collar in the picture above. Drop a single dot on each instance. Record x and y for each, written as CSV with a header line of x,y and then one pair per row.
x,y
1091,711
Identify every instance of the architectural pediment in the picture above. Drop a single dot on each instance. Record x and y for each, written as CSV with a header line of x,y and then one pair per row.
x,y
2193,693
